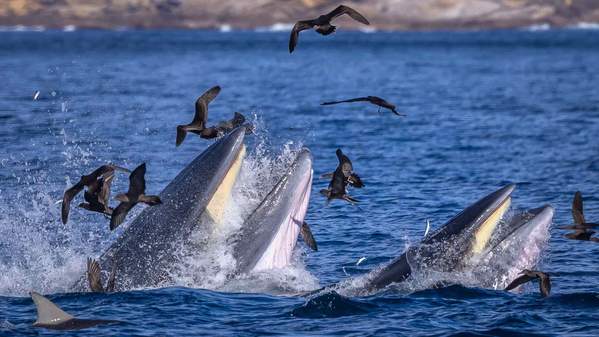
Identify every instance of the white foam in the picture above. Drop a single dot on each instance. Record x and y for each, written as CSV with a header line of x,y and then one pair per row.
x,y
277,27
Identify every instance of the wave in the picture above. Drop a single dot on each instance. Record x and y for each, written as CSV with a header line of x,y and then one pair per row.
x,y
277,27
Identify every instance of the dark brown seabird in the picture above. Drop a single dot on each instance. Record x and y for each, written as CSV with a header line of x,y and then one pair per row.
x,y
381,103
529,275
338,186
97,195
91,181
347,169
135,195
323,23
198,124
94,277
582,229
200,119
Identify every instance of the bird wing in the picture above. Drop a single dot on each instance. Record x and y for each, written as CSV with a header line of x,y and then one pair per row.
x,y
137,181
111,284
359,99
119,214
93,275
201,114
577,212
297,28
518,281
67,198
545,284
344,163
105,190
307,236
340,10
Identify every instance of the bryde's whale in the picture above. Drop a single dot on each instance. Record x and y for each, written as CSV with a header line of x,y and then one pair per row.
x,y
471,238
267,238
142,255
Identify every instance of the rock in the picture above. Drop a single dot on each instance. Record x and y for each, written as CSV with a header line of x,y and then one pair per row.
x,y
386,14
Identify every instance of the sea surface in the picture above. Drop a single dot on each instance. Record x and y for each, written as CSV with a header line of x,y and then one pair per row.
x,y
483,109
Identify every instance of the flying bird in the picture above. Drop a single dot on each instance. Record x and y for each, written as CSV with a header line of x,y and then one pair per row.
x,y
322,24
582,229
347,169
97,195
338,188
529,275
381,103
198,125
135,195
94,277
90,180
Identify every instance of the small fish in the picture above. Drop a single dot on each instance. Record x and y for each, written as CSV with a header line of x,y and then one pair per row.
x,y
362,259
36,95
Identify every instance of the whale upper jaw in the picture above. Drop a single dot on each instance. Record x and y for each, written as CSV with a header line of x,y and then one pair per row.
x,y
465,239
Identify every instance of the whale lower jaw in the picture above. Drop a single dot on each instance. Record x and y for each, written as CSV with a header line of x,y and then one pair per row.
x,y
267,238
475,237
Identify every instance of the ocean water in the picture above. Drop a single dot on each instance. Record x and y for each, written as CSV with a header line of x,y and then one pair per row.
x,y
484,109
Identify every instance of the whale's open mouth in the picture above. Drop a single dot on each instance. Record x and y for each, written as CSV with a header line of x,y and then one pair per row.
x,y
480,236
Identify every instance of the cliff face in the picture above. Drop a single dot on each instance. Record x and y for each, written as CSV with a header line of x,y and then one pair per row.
x,y
386,14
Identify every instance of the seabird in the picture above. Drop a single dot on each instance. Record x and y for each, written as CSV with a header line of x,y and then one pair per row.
x,y
323,24
347,169
94,277
338,187
198,125
529,275
381,103
97,195
582,229
89,180
135,195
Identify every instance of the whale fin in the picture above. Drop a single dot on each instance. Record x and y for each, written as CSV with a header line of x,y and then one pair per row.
x,y
48,313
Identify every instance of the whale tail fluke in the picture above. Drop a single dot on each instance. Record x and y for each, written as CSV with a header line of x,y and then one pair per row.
x,y
48,313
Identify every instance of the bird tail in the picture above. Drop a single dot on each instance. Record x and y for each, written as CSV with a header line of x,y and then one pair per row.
x,y
151,200
181,133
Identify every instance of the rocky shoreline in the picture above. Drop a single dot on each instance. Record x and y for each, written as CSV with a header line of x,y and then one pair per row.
x,y
252,14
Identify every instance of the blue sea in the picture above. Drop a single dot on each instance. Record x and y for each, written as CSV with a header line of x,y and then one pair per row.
x,y
483,109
